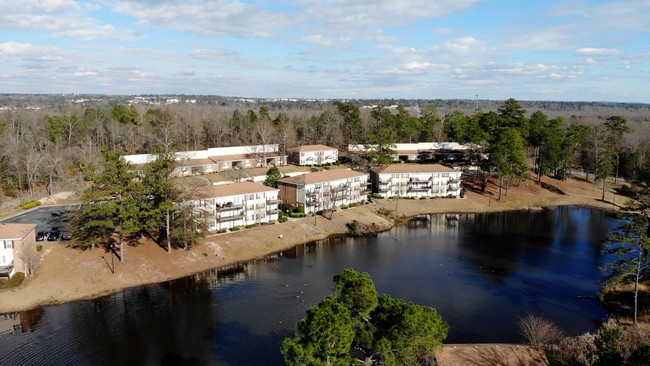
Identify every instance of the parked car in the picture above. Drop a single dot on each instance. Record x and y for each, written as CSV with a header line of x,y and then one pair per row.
x,y
54,234
41,235
66,235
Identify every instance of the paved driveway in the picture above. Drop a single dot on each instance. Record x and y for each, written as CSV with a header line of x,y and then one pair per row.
x,y
45,217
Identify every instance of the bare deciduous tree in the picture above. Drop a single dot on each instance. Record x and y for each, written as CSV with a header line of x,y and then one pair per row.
x,y
539,331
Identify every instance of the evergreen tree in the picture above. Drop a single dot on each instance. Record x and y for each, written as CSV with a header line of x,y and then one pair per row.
x,y
630,245
354,323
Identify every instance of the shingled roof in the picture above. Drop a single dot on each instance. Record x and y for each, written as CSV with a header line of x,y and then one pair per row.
x,y
225,190
322,176
413,168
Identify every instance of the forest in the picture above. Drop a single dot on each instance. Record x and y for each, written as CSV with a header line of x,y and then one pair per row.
x,y
53,142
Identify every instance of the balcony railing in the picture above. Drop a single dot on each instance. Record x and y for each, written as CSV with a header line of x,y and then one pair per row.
x,y
230,207
419,188
230,218
271,202
418,182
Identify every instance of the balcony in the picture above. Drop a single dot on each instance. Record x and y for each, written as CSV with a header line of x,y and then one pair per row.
x,y
229,207
272,211
230,217
271,202
419,182
419,188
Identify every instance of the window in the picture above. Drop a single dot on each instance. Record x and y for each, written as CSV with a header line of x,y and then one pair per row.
x,y
251,196
9,244
302,154
4,260
394,175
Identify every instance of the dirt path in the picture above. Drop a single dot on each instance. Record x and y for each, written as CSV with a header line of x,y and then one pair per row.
x,y
67,274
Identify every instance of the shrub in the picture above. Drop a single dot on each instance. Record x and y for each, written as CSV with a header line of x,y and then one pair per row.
x,y
205,254
249,226
26,205
377,195
14,281
578,351
353,204
344,207
282,217
221,231
641,356
462,193
39,247
297,215
234,228
608,344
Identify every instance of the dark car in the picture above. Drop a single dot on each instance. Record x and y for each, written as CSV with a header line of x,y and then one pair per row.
x,y
66,235
41,235
54,234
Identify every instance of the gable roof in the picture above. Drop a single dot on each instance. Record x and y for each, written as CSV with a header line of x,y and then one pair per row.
x,y
413,168
304,148
322,176
15,231
234,189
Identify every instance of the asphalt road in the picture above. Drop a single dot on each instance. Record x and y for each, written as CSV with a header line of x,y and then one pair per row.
x,y
46,217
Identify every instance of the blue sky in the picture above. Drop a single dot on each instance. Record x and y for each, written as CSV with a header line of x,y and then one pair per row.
x,y
573,50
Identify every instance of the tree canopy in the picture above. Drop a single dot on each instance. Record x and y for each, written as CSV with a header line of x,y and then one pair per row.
x,y
354,323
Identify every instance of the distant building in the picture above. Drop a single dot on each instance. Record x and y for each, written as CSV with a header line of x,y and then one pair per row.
x,y
217,159
313,155
238,204
416,180
327,189
15,239
425,151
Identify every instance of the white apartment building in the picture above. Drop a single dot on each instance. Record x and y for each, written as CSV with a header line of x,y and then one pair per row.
x,y
328,189
416,180
14,239
313,155
217,159
238,204
414,151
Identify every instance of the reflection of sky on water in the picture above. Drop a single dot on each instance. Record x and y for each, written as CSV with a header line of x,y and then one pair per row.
x,y
480,271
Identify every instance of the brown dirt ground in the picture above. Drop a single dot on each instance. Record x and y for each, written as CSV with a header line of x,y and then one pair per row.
x,y
67,274
491,354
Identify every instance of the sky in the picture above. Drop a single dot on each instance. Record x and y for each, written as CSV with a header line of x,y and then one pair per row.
x,y
559,50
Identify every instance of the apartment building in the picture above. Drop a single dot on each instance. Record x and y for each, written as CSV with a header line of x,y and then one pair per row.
x,y
217,159
313,155
17,241
327,189
416,180
238,204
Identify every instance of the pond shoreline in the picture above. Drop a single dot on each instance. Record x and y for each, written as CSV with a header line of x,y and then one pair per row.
x,y
68,274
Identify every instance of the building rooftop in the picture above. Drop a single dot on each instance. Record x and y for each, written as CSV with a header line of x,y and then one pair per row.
x,y
234,189
304,148
15,231
413,168
322,176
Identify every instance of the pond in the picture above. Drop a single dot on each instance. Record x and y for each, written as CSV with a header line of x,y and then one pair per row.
x,y
482,272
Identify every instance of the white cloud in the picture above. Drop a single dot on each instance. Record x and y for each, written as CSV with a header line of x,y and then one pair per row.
x,y
28,51
465,45
209,18
597,52
60,18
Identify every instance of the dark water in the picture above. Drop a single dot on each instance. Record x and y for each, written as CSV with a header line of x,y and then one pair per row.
x,y
482,272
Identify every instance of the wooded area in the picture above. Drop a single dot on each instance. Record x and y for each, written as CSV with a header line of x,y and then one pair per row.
x,y
60,143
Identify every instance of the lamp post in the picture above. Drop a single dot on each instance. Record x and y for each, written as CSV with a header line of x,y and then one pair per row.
x,y
112,260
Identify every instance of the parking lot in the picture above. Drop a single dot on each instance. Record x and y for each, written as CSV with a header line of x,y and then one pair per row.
x,y
46,218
